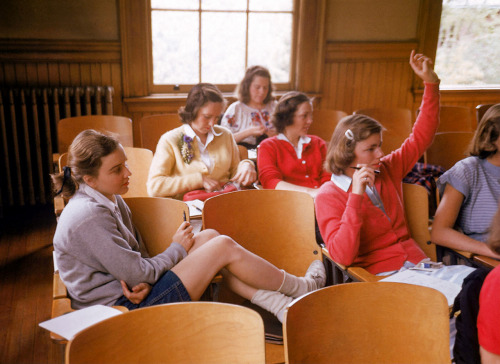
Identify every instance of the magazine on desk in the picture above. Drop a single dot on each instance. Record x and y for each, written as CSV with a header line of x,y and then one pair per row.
x,y
72,323
449,289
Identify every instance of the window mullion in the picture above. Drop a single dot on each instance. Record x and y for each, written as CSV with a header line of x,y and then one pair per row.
x,y
199,42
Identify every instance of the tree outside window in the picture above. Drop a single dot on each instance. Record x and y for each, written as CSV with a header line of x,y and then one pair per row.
x,y
468,52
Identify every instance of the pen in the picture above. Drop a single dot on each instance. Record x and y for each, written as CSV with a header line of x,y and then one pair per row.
x,y
358,168
184,213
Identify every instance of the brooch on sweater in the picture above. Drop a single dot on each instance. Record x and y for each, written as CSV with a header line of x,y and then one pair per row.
x,y
186,148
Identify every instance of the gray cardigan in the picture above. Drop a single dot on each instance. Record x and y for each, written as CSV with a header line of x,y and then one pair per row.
x,y
95,250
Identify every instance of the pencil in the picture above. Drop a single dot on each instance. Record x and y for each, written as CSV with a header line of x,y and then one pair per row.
x,y
358,168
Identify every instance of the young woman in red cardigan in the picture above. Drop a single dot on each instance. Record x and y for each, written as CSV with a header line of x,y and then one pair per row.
x,y
360,211
292,160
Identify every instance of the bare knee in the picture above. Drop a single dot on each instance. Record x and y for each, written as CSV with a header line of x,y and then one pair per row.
x,y
225,245
208,234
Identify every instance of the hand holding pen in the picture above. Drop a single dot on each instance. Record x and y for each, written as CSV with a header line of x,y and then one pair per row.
x,y
362,177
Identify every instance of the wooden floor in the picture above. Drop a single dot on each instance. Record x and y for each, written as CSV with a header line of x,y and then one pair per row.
x,y
26,272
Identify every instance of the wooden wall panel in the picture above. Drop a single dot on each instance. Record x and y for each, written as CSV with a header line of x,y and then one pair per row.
x,y
366,75
62,63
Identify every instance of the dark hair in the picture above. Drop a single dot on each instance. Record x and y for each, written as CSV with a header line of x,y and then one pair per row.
x,y
286,108
198,96
487,132
494,236
340,152
84,158
243,89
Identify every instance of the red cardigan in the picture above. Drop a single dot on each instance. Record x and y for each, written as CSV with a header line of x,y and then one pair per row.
x,y
358,233
277,161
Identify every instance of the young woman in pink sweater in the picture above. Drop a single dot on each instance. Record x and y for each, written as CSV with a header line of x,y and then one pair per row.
x,y
360,211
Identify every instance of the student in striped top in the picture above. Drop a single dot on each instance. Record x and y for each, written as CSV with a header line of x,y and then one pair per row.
x,y
471,192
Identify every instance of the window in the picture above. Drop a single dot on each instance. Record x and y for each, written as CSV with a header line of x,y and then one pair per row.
x,y
216,40
468,48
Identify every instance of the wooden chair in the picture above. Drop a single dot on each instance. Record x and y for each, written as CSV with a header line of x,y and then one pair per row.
x,y
368,323
139,160
480,110
455,118
324,122
448,148
276,225
152,127
191,332
243,152
397,122
416,203
69,128
157,219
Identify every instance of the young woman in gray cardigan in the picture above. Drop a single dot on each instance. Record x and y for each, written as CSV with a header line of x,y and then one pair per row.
x,y
102,259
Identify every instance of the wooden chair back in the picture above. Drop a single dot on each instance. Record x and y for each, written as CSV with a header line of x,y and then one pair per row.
x,y
190,332
397,122
139,160
152,127
157,219
455,118
276,225
480,110
368,323
69,128
416,202
324,122
448,148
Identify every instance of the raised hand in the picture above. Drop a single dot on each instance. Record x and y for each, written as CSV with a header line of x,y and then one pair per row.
x,y
423,67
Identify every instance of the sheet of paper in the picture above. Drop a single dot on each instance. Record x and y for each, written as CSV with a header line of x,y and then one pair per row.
x,y
450,290
70,324
195,207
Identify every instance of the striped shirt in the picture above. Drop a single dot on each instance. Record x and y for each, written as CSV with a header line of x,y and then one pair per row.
x,y
479,181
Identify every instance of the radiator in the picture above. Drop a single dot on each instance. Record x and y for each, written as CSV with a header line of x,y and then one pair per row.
x,y
28,136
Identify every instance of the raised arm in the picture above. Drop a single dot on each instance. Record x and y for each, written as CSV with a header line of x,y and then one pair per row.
x,y
427,121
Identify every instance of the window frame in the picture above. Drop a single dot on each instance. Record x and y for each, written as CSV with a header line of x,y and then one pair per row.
x,y
308,48
184,88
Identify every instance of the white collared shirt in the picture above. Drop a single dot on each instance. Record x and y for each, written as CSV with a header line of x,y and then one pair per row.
x,y
100,198
344,182
205,157
300,147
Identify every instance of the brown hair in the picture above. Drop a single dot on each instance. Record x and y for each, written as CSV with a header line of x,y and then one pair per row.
x,y
243,89
198,96
340,153
84,158
286,108
487,132
494,236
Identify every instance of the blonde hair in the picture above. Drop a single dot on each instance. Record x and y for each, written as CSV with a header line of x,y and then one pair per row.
x,y
350,130
84,158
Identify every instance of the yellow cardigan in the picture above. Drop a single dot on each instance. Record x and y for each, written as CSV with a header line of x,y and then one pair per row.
x,y
170,176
